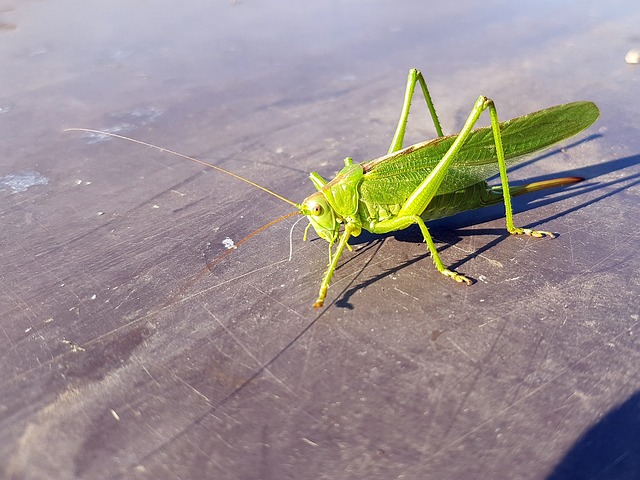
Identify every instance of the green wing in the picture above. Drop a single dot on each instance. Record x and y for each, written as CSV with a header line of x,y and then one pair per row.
x,y
390,178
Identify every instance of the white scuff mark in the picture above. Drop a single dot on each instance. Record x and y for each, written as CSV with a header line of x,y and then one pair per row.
x,y
463,351
94,296
309,442
228,243
92,137
120,54
405,293
482,278
125,122
75,348
142,115
156,206
28,330
19,182
632,56
114,414
100,213
38,51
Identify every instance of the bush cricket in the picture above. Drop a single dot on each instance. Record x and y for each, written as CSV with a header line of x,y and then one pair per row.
x,y
429,180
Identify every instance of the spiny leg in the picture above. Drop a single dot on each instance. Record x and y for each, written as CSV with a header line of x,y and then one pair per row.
x,y
420,198
413,77
400,223
497,138
436,256
424,193
333,263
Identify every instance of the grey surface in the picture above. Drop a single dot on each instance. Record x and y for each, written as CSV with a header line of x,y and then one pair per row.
x,y
121,360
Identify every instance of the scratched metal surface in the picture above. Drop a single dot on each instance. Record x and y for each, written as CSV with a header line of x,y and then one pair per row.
x,y
122,358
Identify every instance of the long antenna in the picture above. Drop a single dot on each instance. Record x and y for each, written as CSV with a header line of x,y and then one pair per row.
x,y
172,152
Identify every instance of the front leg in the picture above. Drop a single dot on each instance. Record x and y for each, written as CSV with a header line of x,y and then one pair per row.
x,y
333,263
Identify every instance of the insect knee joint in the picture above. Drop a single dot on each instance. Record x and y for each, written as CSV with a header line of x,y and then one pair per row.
x,y
486,102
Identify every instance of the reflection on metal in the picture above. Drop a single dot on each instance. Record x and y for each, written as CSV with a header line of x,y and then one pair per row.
x,y
19,182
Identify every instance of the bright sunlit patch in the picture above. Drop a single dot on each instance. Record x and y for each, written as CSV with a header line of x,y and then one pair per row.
x,y
21,181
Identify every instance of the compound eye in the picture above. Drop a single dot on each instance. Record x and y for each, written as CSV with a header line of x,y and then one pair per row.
x,y
316,209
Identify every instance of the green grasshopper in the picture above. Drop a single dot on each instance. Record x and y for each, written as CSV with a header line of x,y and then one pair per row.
x,y
432,179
